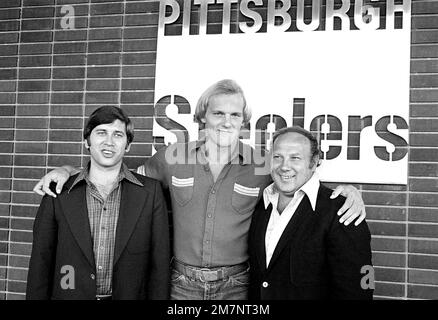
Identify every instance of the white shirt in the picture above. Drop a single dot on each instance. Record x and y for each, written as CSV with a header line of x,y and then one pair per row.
x,y
277,223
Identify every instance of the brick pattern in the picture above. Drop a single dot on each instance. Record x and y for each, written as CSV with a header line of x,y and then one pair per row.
x,y
51,79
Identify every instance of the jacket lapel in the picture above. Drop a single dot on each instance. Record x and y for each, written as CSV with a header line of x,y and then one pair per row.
x,y
264,215
301,214
76,213
131,205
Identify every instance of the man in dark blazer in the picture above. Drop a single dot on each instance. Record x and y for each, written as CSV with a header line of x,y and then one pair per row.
x,y
298,250
106,235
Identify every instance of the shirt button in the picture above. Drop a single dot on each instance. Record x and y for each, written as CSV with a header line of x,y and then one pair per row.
x,y
102,247
92,276
100,267
212,191
104,208
265,284
209,215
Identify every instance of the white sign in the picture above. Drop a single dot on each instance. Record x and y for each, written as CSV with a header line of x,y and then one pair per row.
x,y
352,83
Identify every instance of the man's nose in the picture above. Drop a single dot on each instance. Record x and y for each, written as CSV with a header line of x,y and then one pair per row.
x,y
109,140
227,120
285,165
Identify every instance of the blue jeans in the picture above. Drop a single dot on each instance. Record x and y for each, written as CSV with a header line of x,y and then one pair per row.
x,y
234,287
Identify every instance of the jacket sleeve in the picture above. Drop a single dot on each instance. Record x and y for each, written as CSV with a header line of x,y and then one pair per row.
x,y
349,250
159,277
42,261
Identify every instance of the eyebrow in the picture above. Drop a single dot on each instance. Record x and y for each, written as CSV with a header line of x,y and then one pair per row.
x,y
115,131
288,154
221,111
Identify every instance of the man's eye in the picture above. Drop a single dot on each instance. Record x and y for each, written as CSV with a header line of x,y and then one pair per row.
x,y
100,133
236,115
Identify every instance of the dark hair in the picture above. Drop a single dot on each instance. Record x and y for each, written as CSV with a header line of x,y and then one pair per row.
x,y
108,114
315,152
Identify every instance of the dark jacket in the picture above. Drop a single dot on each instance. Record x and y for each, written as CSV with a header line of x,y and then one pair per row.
x,y
316,257
62,237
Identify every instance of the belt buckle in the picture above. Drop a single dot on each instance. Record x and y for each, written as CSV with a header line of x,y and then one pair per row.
x,y
208,275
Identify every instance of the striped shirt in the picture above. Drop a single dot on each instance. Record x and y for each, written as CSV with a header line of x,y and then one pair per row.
x,y
103,216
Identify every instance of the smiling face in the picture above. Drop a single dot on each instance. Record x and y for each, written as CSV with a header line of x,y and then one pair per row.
x,y
291,163
224,119
108,144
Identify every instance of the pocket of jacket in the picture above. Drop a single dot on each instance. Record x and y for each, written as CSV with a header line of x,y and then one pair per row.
x,y
244,199
182,189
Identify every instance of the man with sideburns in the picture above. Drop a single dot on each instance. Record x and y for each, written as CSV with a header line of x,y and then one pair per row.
x,y
105,236
214,188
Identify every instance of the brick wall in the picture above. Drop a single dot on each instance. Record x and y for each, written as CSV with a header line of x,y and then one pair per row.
x,y
51,79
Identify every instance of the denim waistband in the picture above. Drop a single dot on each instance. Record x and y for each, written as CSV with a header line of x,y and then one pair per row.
x,y
208,274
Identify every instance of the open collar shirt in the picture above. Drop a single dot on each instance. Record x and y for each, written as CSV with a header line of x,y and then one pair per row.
x,y
278,222
103,215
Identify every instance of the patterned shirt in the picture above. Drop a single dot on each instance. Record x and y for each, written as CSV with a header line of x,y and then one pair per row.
x,y
211,219
103,216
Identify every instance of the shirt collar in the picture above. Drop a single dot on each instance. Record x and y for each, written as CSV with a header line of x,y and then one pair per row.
x,y
245,151
310,188
124,173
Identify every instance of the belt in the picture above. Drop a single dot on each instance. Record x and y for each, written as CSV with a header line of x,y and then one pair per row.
x,y
104,297
208,274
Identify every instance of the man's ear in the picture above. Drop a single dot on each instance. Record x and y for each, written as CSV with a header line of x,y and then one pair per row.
x,y
87,146
128,147
316,162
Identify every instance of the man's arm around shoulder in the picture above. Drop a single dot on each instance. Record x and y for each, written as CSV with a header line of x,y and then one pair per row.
x,y
155,167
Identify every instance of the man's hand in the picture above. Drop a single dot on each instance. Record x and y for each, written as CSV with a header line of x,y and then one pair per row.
x,y
58,175
353,207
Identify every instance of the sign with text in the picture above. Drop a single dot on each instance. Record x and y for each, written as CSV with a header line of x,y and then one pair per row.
x,y
339,68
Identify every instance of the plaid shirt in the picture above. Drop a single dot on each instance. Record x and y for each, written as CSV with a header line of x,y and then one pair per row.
x,y
103,216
